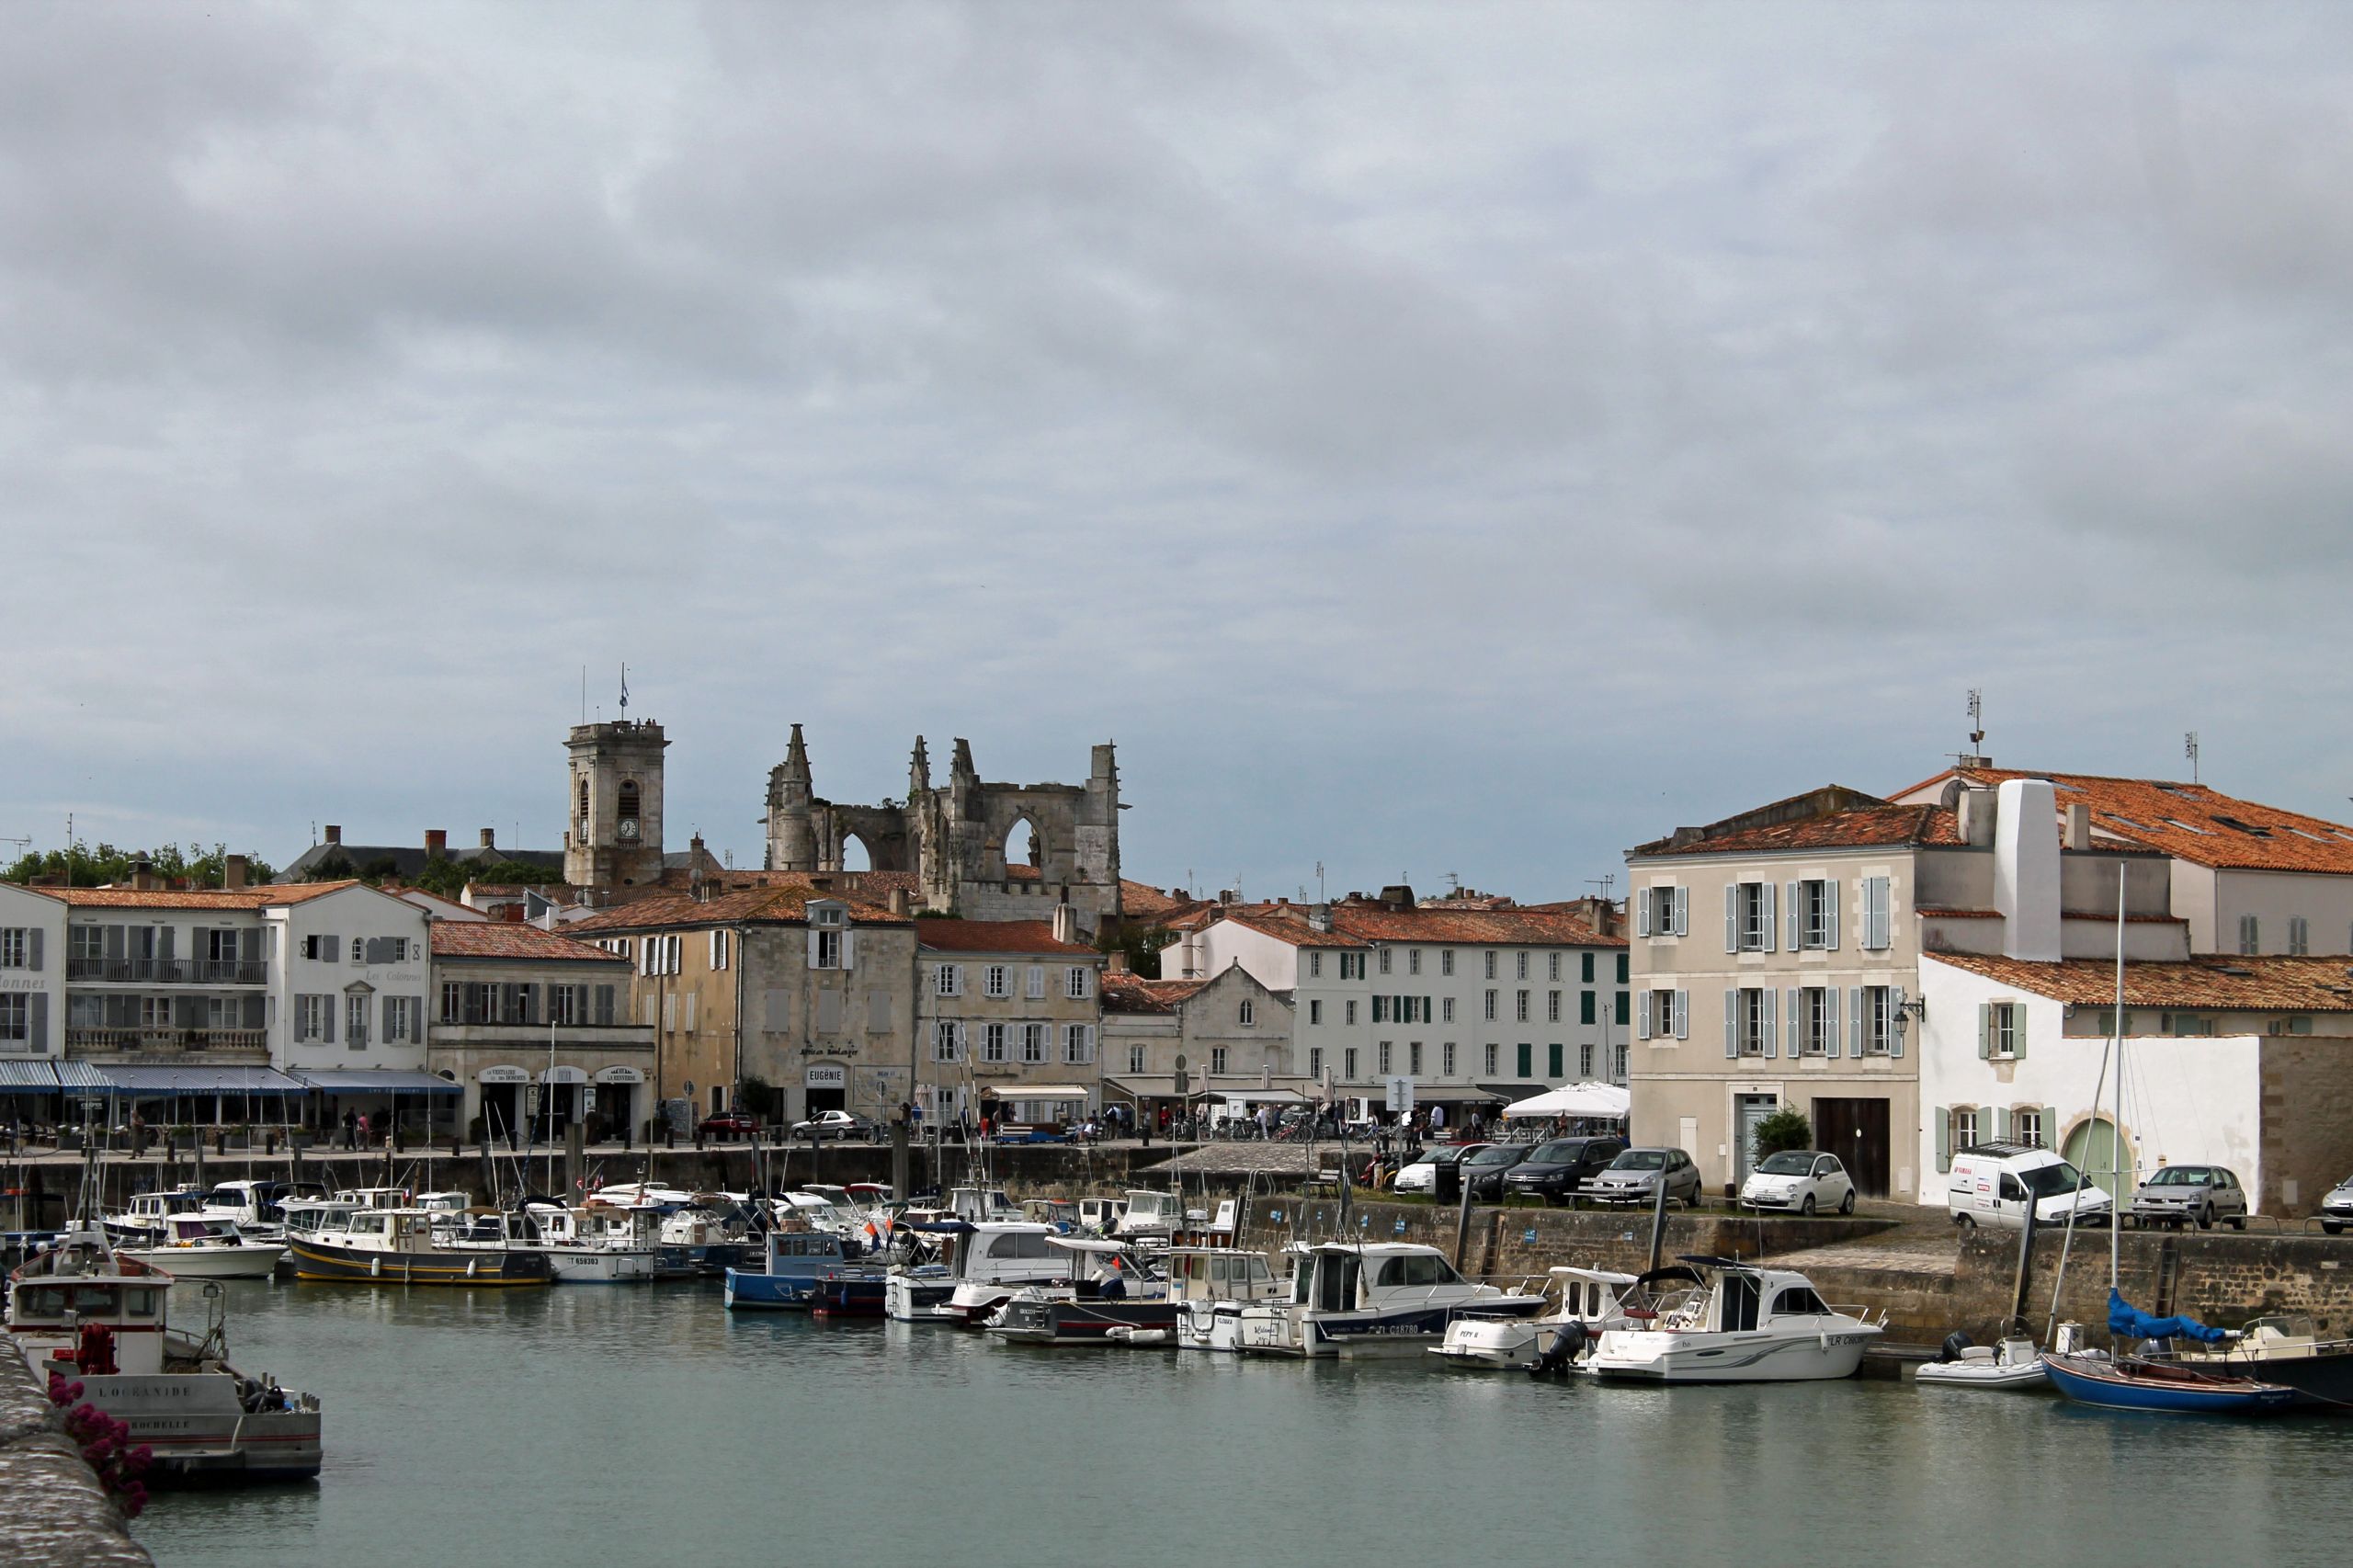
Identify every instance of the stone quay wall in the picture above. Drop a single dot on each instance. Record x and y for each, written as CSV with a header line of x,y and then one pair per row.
x,y
58,1516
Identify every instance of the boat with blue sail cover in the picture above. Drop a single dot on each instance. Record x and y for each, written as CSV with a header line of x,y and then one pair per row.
x,y
2159,1383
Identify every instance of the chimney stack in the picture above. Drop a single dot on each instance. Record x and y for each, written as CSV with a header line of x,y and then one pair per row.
x,y
896,903
232,872
437,843
143,877
334,834
2025,869
489,839
2079,826
1976,811
1118,964
1065,922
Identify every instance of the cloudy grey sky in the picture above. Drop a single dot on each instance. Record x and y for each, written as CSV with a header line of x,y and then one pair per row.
x,y
1429,439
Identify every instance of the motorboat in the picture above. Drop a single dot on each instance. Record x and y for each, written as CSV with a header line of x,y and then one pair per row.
x,y
99,1318
1210,1286
1369,1299
2285,1349
981,1205
142,1218
703,1242
582,1249
193,1247
637,1194
796,1261
399,1246
1149,1216
2014,1361
1737,1323
1113,1298
1590,1301
255,1206
998,1258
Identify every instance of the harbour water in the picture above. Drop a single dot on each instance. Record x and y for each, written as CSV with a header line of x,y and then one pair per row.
x,y
648,1425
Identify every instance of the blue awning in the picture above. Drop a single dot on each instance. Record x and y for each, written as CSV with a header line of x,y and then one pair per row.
x,y
80,1075
197,1080
376,1081
21,1075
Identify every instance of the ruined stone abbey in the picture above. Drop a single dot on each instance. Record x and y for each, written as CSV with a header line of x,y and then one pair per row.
x,y
953,837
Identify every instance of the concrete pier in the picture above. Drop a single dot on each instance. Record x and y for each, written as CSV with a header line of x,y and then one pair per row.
x,y
57,1514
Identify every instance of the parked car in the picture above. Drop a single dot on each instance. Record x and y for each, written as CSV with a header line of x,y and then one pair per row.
x,y
1420,1174
1800,1181
1991,1184
834,1124
1635,1175
2337,1209
2176,1195
730,1124
1559,1170
1482,1172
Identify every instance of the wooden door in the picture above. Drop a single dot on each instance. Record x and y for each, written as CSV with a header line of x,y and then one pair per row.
x,y
1857,1132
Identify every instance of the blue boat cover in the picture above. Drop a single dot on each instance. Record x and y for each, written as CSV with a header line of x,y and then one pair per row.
x,y
2124,1318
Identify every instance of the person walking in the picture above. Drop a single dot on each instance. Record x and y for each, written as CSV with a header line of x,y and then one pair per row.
x,y
351,1130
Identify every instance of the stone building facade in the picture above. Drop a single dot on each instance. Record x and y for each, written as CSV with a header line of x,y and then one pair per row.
x,y
1008,1016
953,837
1233,1032
536,1029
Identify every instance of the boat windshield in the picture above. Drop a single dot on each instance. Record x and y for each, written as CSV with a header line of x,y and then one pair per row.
x,y
2053,1181
1787,1162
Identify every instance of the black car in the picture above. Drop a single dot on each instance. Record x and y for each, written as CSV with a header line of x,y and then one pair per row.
x,y
1482,1172
1557,1171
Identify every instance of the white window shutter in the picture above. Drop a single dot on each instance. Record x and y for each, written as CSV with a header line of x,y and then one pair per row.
x,y
1766,902
1642,1017
1769,1001
1683,912
1682,1015
1830,916
1830,1020
1731,917
1731,1025
849,947
1643,911
812,947
1855,1020
1797,914
1895,1011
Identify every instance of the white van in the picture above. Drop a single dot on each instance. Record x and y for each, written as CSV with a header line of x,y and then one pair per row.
x,y
1990,1183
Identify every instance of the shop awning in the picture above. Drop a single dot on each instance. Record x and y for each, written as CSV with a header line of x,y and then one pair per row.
x,y
197,1080
376,1081
80,1075
1040,1091
1508,1092
19,1077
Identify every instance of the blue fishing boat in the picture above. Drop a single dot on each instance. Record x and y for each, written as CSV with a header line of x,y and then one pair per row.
x,y
796,1262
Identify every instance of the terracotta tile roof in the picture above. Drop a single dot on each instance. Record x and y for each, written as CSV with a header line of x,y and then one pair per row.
x,y
785,906
264,897
1141,902
996,936
2248,984
1291,929
511,940
2189,822
1862,826
1133,994
1511,927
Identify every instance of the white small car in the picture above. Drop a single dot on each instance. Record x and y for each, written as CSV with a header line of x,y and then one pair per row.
x,y
831,1124
1799,1181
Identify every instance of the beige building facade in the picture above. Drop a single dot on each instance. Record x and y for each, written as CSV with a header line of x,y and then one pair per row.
x,y
537,1030
1009,1018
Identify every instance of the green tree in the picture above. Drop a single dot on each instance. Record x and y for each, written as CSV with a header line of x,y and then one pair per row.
x,y
84,866
1142,949
447,878
1785,1128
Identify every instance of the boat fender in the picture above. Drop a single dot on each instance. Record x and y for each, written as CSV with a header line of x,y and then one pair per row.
x,y
472,1265
1955,1342
375,1269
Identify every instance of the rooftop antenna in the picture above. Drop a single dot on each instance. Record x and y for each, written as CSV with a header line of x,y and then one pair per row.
x,y
2190,749
1319,882
1454,881
584,694
1606,883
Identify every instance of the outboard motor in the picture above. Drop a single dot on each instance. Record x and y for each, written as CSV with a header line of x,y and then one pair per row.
x,y
1567,1341
1955,1342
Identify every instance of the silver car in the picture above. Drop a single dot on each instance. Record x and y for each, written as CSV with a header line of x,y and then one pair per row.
x,y
1635,1176
2178,1194
2337,1209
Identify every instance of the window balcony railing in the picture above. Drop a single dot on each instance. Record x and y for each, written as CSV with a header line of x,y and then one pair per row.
x,y
167,1039
170,972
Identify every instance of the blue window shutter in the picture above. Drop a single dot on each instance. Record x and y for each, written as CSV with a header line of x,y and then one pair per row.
x,y
1731,917
36,1018
1732,1026
1683,912
1642,1017
1830,1020
32,949
1766,903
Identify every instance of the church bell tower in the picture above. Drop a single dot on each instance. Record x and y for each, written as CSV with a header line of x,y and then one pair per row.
x,y
614,836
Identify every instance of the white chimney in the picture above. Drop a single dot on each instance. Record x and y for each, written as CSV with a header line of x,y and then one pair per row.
x,y
2025,869
1065,922
2079,826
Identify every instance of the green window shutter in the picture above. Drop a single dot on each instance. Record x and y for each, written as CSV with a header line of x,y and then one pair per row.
x,y
1943,1115
1555,1052
1589,968
1622,1013
2050,1127
1585,1006
1985,1031
1527,1060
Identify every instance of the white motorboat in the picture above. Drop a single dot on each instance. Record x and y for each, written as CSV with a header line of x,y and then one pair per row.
x,y
2014,1363
98,1318
1210,1286
1591,1301
583,1250
255,1206
193,1247
1739,1323
142,1218
1150,1216
1369,1299
997,1261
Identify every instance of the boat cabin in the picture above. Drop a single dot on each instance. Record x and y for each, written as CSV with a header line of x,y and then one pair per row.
x,y
1731,1297
1219,1274
82,1303
1003,1250
148,1211
1343,1276
982,1204
376,1197
1100,1215
1150,1213
804,1254
388,1230
309,1216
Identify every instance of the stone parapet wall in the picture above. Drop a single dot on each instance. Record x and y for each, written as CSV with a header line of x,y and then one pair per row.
x,y
57,1514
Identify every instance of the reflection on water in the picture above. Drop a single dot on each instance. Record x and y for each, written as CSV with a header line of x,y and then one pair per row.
x,y
646,1424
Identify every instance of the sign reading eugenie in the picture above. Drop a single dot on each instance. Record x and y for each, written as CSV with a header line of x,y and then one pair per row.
x,y
828,1077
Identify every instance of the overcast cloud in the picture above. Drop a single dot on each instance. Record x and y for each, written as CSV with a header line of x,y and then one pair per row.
x,y
1429,439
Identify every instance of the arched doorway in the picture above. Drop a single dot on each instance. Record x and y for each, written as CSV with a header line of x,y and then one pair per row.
x,y
2092,1148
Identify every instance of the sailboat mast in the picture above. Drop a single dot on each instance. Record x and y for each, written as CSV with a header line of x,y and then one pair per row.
x,y
2115,1127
